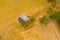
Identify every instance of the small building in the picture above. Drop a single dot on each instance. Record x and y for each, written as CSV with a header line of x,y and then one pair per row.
x,y
23,19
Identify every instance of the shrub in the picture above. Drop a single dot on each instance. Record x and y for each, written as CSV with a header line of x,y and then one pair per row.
x,y
50,10
32,18
51,1
53,5
44,20
56,16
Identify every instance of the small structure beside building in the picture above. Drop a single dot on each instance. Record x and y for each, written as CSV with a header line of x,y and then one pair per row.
x,y
23,19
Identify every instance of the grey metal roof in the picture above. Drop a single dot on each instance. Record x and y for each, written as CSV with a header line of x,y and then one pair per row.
x,y
23,19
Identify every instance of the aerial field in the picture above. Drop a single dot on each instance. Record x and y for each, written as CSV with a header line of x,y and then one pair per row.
x,y
11,29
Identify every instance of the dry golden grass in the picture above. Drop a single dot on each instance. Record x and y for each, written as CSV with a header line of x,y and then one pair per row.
x,y
11,29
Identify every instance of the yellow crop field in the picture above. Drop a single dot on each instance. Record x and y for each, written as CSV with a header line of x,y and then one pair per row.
x,y
11,29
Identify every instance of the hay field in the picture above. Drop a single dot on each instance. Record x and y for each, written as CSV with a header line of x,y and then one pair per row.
x,y
11,29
